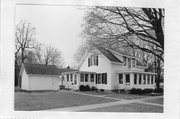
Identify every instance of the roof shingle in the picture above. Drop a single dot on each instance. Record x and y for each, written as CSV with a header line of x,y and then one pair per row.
x,y
41,69
108,54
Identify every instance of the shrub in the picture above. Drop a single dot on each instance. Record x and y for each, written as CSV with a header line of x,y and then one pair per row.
x,y
140,91
93,88
160,90
82,88
87,88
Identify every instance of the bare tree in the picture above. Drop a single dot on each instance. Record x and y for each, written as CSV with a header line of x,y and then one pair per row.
x,y
112,25
24,38
48,55
53,56
122,27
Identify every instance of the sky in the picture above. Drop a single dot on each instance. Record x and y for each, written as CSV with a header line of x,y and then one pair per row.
x,y
58,26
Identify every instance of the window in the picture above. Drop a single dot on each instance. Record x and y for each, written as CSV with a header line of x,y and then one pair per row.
x,y
92,78
93,61
97,60
120,78
148,77
71,77
135,78
86,77
75,81
129,63
88,62
152,79
144,77
139,78
82,78
124,60
99,79
133,62
67,77
104,78
96,78
148,80
127,78
75,76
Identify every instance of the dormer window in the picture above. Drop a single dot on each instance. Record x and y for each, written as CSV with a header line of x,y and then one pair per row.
x,y
133,62
129,63
93,61
124,61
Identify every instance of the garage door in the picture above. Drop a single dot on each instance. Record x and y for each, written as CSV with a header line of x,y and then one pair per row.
x,y
40,83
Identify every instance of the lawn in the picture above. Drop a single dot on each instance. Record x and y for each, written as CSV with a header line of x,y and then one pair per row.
x,y
157,101
25,101
116,95
133,107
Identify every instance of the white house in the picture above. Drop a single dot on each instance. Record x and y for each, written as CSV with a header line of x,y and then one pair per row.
x,y
102,68
39,77
109,70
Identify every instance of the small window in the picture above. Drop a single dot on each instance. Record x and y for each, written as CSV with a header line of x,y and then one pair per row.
x,y
88,62
82,78
144,77
67,77
86,77
148,80
124,60
152,79
75,76
92,78
129,63
71,77
135,78
96,78
127,78
75,81
139,78
99,78
133,62
120,78
96,60
104,78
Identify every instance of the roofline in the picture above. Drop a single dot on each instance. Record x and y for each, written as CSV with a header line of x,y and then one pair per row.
x,y
141,66
106,57
134,71
121,53
117,63
42,75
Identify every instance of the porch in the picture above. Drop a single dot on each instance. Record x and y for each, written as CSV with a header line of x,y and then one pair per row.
x,y
135,79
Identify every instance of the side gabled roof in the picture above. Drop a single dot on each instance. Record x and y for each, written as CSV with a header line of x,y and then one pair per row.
x,y
108,54
61,70
41,69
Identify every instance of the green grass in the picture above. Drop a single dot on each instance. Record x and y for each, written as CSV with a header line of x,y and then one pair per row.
x,y
48,100
133,107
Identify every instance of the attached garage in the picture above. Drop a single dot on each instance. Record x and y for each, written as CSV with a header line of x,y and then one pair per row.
x,y
39,77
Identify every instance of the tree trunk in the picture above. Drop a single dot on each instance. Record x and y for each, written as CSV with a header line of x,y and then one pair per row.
x,y
158,73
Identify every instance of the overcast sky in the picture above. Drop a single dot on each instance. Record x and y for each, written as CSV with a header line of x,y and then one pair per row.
x,y
59,26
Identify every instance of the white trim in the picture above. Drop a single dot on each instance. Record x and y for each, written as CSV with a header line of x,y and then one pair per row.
x,y
117,63
133,71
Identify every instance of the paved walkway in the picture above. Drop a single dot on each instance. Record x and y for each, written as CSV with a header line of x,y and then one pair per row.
x,y
118,102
